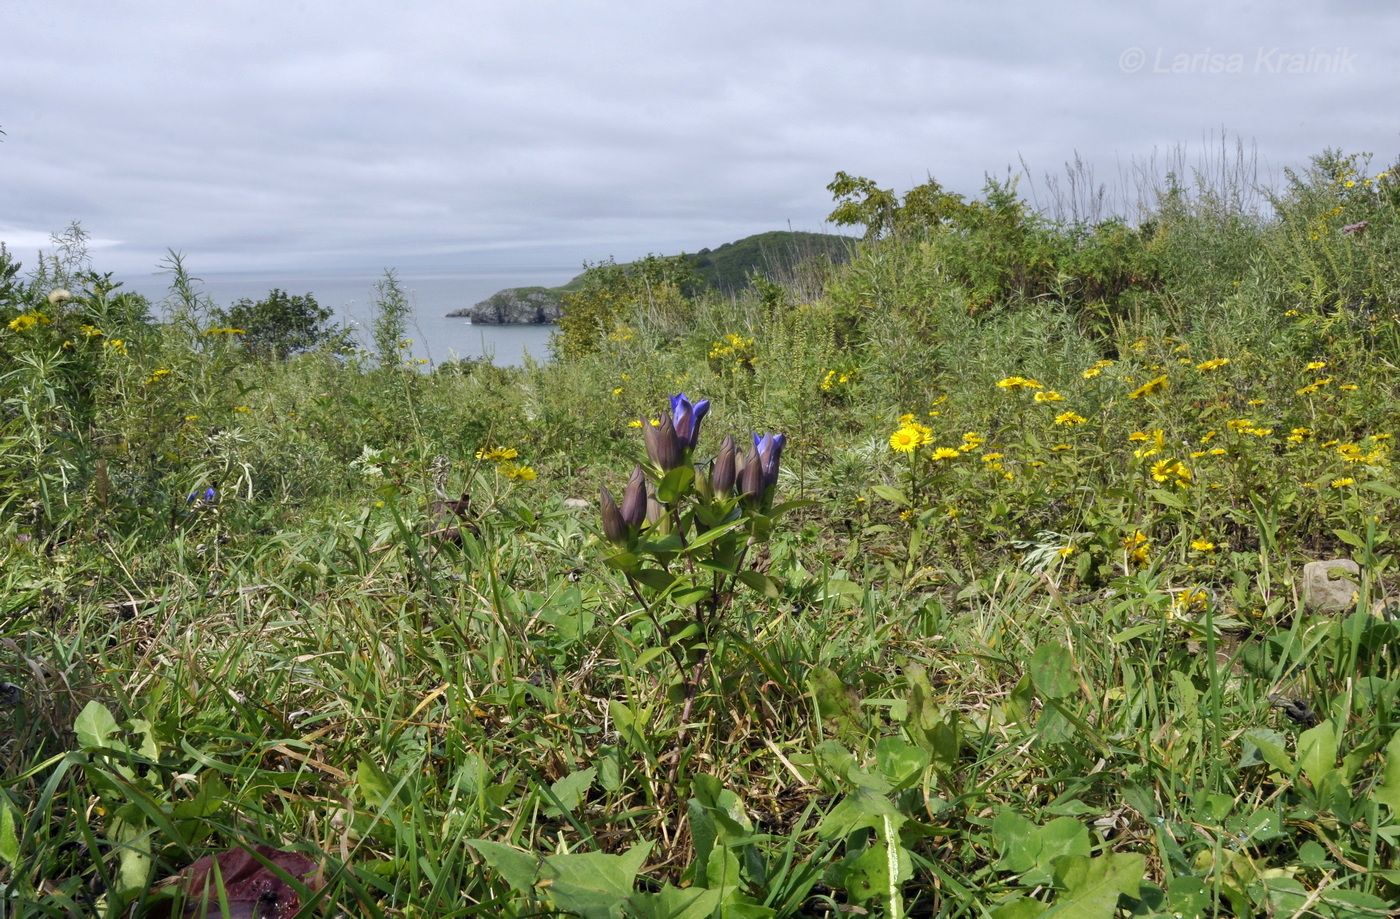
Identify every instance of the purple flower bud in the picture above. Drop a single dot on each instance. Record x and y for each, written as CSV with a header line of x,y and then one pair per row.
x,y
654,509
634,499
769,448
686,418
663,446
614,528
724,471
751,477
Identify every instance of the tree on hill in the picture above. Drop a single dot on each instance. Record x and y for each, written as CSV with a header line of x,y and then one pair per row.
x,y
281,324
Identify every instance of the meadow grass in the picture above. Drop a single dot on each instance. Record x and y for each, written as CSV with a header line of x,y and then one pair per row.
x,y
1030,640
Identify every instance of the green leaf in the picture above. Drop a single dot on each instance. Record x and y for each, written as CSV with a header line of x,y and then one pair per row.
x,y
1266,746
1388,792
571,789
761,583
673,903
675,484
593,884
95,726
519,869
1031,850
1019,907
1350,538
1051,672
900,761
890,493
1317,752
1092,885
373,784
9,837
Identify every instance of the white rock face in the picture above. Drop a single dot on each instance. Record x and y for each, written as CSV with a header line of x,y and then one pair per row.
x,y
1327,587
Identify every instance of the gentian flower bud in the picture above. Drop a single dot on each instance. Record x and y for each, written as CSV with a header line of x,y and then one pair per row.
x,y
723,472
686,418
634,499
769,448
751,477
663,446
654,509
614,528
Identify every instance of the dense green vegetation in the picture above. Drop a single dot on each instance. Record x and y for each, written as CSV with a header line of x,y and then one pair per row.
x,y
731,267
1009,624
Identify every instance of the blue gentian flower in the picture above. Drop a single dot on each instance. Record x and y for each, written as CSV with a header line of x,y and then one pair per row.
x,y
686,418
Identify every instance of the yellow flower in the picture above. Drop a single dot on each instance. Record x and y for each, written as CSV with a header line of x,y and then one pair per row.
x,y
1345,482
634,423
1065,551
1138,346
1315,365
1214,363
906,418
1070,419
157,375
1154,385
26,321
1216,451
1137,547
497,454
1202,545
972,441
519,473
1189,601
1156,437
945,453
906,439
1049,395
617,390
952,513
90,331
1060,448
242,409
992,457
1255,403
115,344
1018,382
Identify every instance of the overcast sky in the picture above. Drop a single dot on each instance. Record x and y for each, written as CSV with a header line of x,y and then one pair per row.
x,y
347,136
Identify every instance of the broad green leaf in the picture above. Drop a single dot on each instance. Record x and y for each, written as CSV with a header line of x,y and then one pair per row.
x,y
593,884
571,788
1092,885
1388,792
900,761
673,903
95,726
9,836
133,854
519,869
1267,746
1020,907
373,784
674,484
1051,672
761,583
1317,752
890,493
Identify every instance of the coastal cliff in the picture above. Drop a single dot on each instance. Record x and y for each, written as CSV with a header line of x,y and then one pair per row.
x,y
515,306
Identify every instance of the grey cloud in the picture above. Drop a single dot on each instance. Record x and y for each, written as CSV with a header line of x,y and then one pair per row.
x,y
321,135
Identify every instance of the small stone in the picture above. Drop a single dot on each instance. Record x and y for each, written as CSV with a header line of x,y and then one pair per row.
x,y
577,504
1330,586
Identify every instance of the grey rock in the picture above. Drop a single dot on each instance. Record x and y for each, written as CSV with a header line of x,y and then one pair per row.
x,y
515,306
1330,586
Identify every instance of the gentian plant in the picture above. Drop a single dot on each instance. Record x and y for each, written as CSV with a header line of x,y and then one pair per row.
x,y
684,531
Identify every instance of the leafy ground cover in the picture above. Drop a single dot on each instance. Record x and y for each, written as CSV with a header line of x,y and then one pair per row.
x,y
1006,622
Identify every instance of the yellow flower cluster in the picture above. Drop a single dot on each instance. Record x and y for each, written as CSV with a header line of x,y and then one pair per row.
x,y
26,321
833,379
1098,368
732,347
910,436
1175,471
1070,419
497,454
1138,547
504,458
1214,363
1154,385
1049,395
1018,382
157,375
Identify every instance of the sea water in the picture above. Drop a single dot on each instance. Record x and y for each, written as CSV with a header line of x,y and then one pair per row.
x,y
432,296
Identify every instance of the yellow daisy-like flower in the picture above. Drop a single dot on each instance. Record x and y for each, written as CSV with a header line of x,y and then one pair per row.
x,y
1138,547
1202,545
1344,482
906,439
945,453
26,321
992,457
243,409
972,441
157,375
1070,419
1065,551
617,390
520,473
1049,395
497,454
115,344
635,423
1189,602
906,418
1214,363
1018,382
1154,385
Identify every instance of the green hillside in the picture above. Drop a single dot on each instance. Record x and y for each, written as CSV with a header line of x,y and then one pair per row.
x,y
728,267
